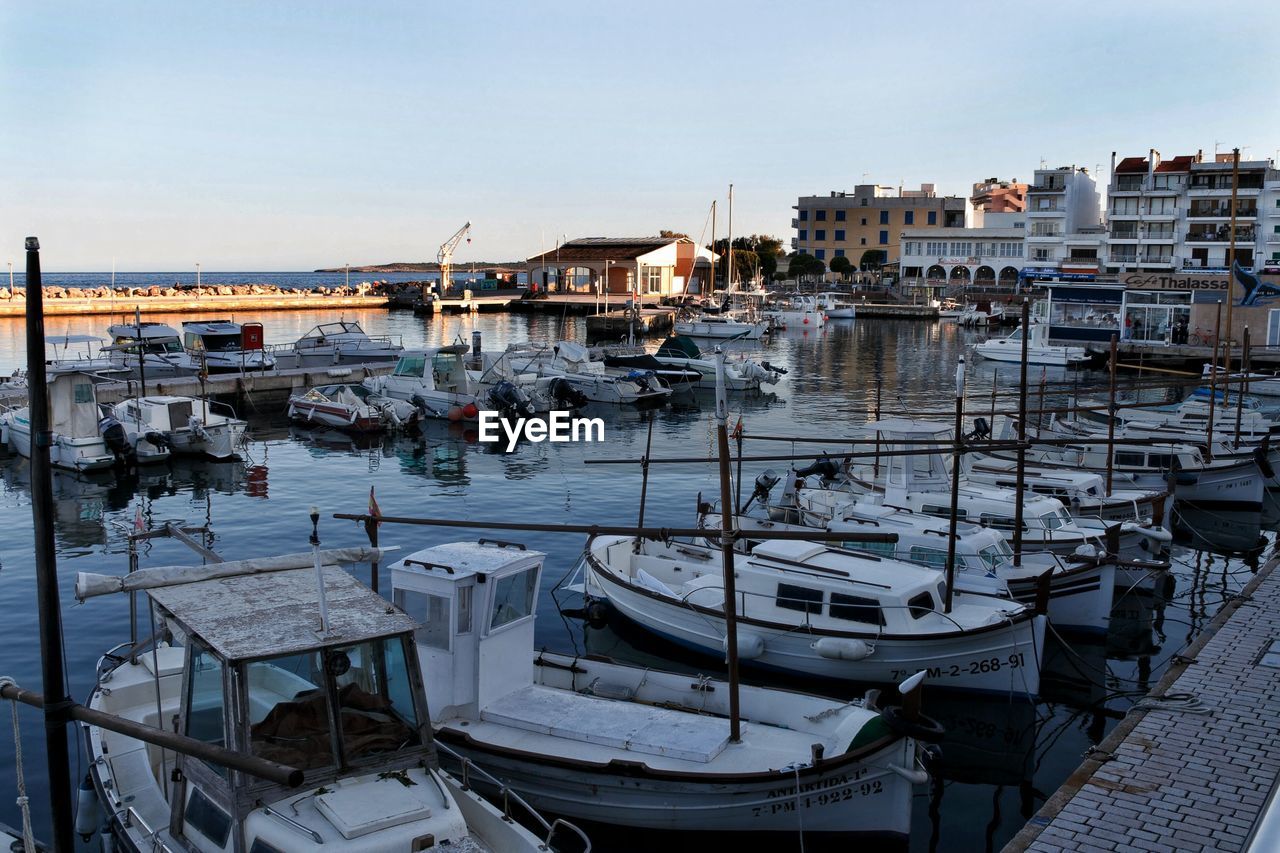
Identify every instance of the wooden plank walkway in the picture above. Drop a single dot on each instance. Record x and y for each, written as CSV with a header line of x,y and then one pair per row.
x,y
1169,779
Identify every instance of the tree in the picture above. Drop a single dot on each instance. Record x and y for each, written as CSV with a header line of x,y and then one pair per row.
x,y
841,266
757,253
665,233
802,265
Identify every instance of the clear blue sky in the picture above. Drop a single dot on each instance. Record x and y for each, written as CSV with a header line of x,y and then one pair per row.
x,y
273,136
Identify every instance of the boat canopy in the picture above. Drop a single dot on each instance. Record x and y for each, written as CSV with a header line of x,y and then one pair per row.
x,y
679,346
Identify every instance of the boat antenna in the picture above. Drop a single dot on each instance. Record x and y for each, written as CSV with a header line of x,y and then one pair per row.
x,y
56,700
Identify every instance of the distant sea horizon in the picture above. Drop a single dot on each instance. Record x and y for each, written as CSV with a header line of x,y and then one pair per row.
x,y
297,280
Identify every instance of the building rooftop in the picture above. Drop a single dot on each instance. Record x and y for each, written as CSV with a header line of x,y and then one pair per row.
x,y
1181,163
607,248
1130,165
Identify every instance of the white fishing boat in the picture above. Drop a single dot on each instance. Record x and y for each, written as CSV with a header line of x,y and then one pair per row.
x,y
1080,588
156,344
1039,350
1085,492
187,425
837,306
809,609
343,342
632,746
221,346
349,407
721,327
796,312
922,483
77,443
437,383
740,373
266,664
572,362
950,309
1259,384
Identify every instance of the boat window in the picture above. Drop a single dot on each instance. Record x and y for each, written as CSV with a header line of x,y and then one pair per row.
x,y
220,343
444,363
933,557
205,707
999,522
920,605
289,711
856,609
260,846
359,390
994,556
1054,520
411,365
1160,460
375,698
431,612
792,597
464,609
206,818
961,512
513,598
84,392
1137,459
886,549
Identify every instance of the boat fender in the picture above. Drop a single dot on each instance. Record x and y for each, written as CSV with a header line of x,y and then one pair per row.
x,y
842,648
1264,464
923,728
750,646
87,811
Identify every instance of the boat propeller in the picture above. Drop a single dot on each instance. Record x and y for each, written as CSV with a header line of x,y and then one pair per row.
x,y
564,393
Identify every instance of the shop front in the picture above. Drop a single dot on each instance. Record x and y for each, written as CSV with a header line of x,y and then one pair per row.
x,y
1083,312
1156,317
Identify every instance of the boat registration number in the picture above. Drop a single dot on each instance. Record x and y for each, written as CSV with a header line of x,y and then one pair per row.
x,y
973,667
827,792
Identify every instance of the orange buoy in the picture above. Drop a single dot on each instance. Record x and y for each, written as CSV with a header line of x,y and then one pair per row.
x,y
455,413
469,411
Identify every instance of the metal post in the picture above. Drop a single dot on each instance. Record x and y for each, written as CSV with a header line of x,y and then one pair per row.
x,y
727,527
644,475
315,553
1213,385
728,281
1231,247
955,485
57,701
1111,411
142,354
1022,438
1244,386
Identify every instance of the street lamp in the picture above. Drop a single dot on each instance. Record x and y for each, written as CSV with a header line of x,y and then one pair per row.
x,y
10,279
607,265
197,275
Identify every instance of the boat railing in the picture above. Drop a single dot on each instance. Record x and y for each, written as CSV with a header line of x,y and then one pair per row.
x,y
507,796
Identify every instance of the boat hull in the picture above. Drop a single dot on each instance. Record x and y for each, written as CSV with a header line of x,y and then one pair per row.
x,y
1003,658
745,331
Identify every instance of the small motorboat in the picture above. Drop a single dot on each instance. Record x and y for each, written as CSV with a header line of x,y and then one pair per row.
x,y
156,344
721,326
740,374
437,383
343,342
837,306
1039,350
77,442
350,408
572,362
185,425
625,361
221,346
634,746
796,312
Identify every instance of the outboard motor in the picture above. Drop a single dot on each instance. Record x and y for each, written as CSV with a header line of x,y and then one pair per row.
x,y
158,440
764,484
779,370
510,401
565,394
115,438
828,469
981,430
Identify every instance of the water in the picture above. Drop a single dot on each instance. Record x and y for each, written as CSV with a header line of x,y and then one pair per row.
x,y
1001,758
289,280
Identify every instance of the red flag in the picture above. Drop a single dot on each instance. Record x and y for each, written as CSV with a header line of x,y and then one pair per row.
x,y
138,524
374,511
737,430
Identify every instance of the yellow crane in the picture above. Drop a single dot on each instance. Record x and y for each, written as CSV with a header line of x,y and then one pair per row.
x,y
445,256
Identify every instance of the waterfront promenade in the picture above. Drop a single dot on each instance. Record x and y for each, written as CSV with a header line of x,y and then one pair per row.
x,y
1193,765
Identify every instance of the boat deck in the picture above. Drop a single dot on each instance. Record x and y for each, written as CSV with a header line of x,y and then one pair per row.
x,y
594,729
1173,777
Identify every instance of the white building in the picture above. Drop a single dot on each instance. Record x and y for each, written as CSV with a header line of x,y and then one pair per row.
x,y
1064,223
993,255
1175,214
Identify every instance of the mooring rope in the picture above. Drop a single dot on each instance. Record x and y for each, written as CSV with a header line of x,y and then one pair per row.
x,y
28,838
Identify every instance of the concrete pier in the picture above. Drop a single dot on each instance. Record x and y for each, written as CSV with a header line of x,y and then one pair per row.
x,y
896,311
296,300
1192,769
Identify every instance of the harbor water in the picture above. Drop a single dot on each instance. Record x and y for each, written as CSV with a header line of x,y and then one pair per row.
x,y
1002,755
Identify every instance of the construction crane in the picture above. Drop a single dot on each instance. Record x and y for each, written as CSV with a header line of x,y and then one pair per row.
x,y
445,256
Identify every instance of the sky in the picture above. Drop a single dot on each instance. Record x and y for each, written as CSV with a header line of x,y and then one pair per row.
x,y
290,136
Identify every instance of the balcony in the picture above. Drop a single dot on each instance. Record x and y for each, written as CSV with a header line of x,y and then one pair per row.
x,y
1157,260
795,223
1047,188
1123,259
1222,235
1044,235
1221,211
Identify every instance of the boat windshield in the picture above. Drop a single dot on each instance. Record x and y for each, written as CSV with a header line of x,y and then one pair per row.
x,y
293,699
163,347
218,343
411,365
996,555
1055,519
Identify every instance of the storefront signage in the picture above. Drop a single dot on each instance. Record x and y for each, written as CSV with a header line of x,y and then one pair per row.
x,y
1174,281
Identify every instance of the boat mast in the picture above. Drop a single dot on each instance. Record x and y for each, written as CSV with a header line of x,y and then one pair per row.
x,y
1021,482
956,456
728,282
727,532
712,286
142,355
56,700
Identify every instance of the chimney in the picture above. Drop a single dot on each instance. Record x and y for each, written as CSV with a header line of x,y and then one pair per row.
x,y
1113,168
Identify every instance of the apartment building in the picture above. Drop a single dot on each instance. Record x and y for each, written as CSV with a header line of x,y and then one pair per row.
x,y
866,225
1065,235
990,256
1175,214
996,196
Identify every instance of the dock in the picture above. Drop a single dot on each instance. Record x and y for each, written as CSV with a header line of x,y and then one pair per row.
x,y
897,311
652,321
1192,766
296,300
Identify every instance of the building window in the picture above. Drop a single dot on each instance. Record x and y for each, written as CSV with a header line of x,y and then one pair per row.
x,y
884,238
863,242
820,254
840,215
652,278
804,214
820,215
804,234
820,234
884,217
909,217
840,235
933,217
839,253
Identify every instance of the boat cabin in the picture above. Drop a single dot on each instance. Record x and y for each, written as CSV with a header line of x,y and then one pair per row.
x,y
475,602
259,676
438,369
150,338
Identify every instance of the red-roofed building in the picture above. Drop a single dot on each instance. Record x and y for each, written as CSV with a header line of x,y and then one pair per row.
x,y
656,266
